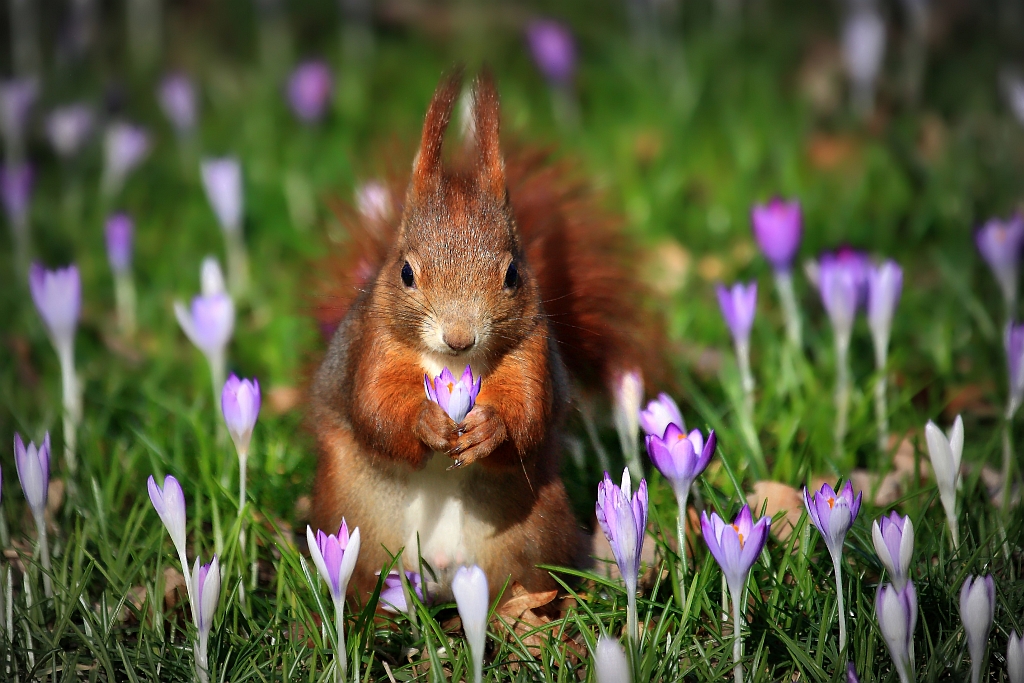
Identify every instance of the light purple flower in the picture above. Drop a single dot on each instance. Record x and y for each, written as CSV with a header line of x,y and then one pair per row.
x,y
896,610
833,514
735,546
739,305
945,453
16,193
177,96
392,596
839,287
374,201
893,538
1014,343
885,283
472,597
240,402
456,397
977,608
169,503
777,228
120,229
33,463
623,518
1000,243
208,323
610,663
68,128
1015,658
335,557
124,148
58,298
553,50
659,414
681,457
863,43
222,180
309,90
16,99
205,596
851,673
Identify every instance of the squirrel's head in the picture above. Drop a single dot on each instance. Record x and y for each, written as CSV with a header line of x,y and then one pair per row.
x,y
455,280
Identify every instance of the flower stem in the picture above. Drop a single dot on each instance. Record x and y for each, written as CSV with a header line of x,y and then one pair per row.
x,y
124,297
837,563
242,459
202,658
746,378
1004,502
790,311
681,498
842,393
737,642
72,401
882,412
341,670
44,555
633,624
954,528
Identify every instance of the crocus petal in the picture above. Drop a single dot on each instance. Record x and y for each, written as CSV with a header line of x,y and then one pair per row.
x,y
977,608
553,50
610,663
469,586
222,180
1015,658
777,229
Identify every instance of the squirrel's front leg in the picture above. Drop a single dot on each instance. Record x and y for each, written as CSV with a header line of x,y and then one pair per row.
x,y
480,433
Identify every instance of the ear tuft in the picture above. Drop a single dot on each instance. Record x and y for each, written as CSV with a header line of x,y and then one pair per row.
x,y
491,165
426,168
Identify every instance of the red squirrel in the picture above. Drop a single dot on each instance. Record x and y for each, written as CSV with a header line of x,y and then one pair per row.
x,y
513,270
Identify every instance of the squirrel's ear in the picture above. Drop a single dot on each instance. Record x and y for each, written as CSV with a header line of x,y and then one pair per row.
x,y
426,167
491,170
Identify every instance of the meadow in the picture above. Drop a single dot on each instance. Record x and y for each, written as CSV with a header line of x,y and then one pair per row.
x,y
683,117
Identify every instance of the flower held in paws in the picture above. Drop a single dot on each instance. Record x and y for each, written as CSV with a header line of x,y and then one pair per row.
x,y
456,397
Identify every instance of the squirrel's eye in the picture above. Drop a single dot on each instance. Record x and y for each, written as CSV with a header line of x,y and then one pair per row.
x,y
407,275
512,276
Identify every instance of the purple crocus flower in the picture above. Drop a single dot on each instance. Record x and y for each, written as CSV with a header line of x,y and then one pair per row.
x,y
1015,658
1014,343
222,180
309,90
205,596
885,283
68,128
16,100
472,597
659,414
58,298
851,673
553,49
838,285
392,596
169,503
335,557
739,305
456,397
977,608
124,148
896,610
863,43
33,463
735,546
240,402
893,538
209,322
177,97
120,229
16,192
1000,243
833,513
623,518
777,228
373,200
681,457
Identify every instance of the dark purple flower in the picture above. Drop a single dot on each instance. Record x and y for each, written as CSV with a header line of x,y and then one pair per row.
x,y
833,514
553,49
623,518
392,596
1014,343
893,538
456,397
335,557
735,546
177,96
681,457
16,191
777,229
739,305
240,403
58,298
851,673
120,229
896,610
659,414
309,90
68,128
1000,243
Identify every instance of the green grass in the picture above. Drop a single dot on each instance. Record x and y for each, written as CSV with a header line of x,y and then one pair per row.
x,y
737,131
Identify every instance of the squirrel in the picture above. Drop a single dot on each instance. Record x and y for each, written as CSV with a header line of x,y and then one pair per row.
x,y
508,268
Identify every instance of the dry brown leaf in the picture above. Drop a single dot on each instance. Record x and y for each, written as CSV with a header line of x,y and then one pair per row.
x,y
283,399
522,601
174,588
778,497
827,152
970,398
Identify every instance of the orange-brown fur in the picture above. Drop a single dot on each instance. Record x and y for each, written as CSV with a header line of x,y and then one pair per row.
x,y
573,307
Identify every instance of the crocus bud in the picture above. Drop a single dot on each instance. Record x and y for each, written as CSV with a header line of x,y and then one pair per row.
x,y
681,457
945,453
119,229
124,148
659,414
211,277
33,463
211,319
16,192
373,200
205,596
456,397
169,503
739,305
735,546
833,514
1013,341
58,298
977,608
999,243
469,586
610,663
240,402
884,285
392,596
851,673
222,180
177,97
68,128
553,50
335,557
893,537
777,229
863,46
623,519
628,392
309,90
16,100
896,610
1015,658
839,293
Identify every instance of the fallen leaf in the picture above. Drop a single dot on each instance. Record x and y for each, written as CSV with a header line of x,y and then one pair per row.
x,y
175,592
522,600
282,399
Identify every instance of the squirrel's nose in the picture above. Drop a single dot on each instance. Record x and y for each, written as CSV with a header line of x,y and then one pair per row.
x,y
459,340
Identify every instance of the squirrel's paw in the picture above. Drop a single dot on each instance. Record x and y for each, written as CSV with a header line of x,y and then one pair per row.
x,y
480,433
434,428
